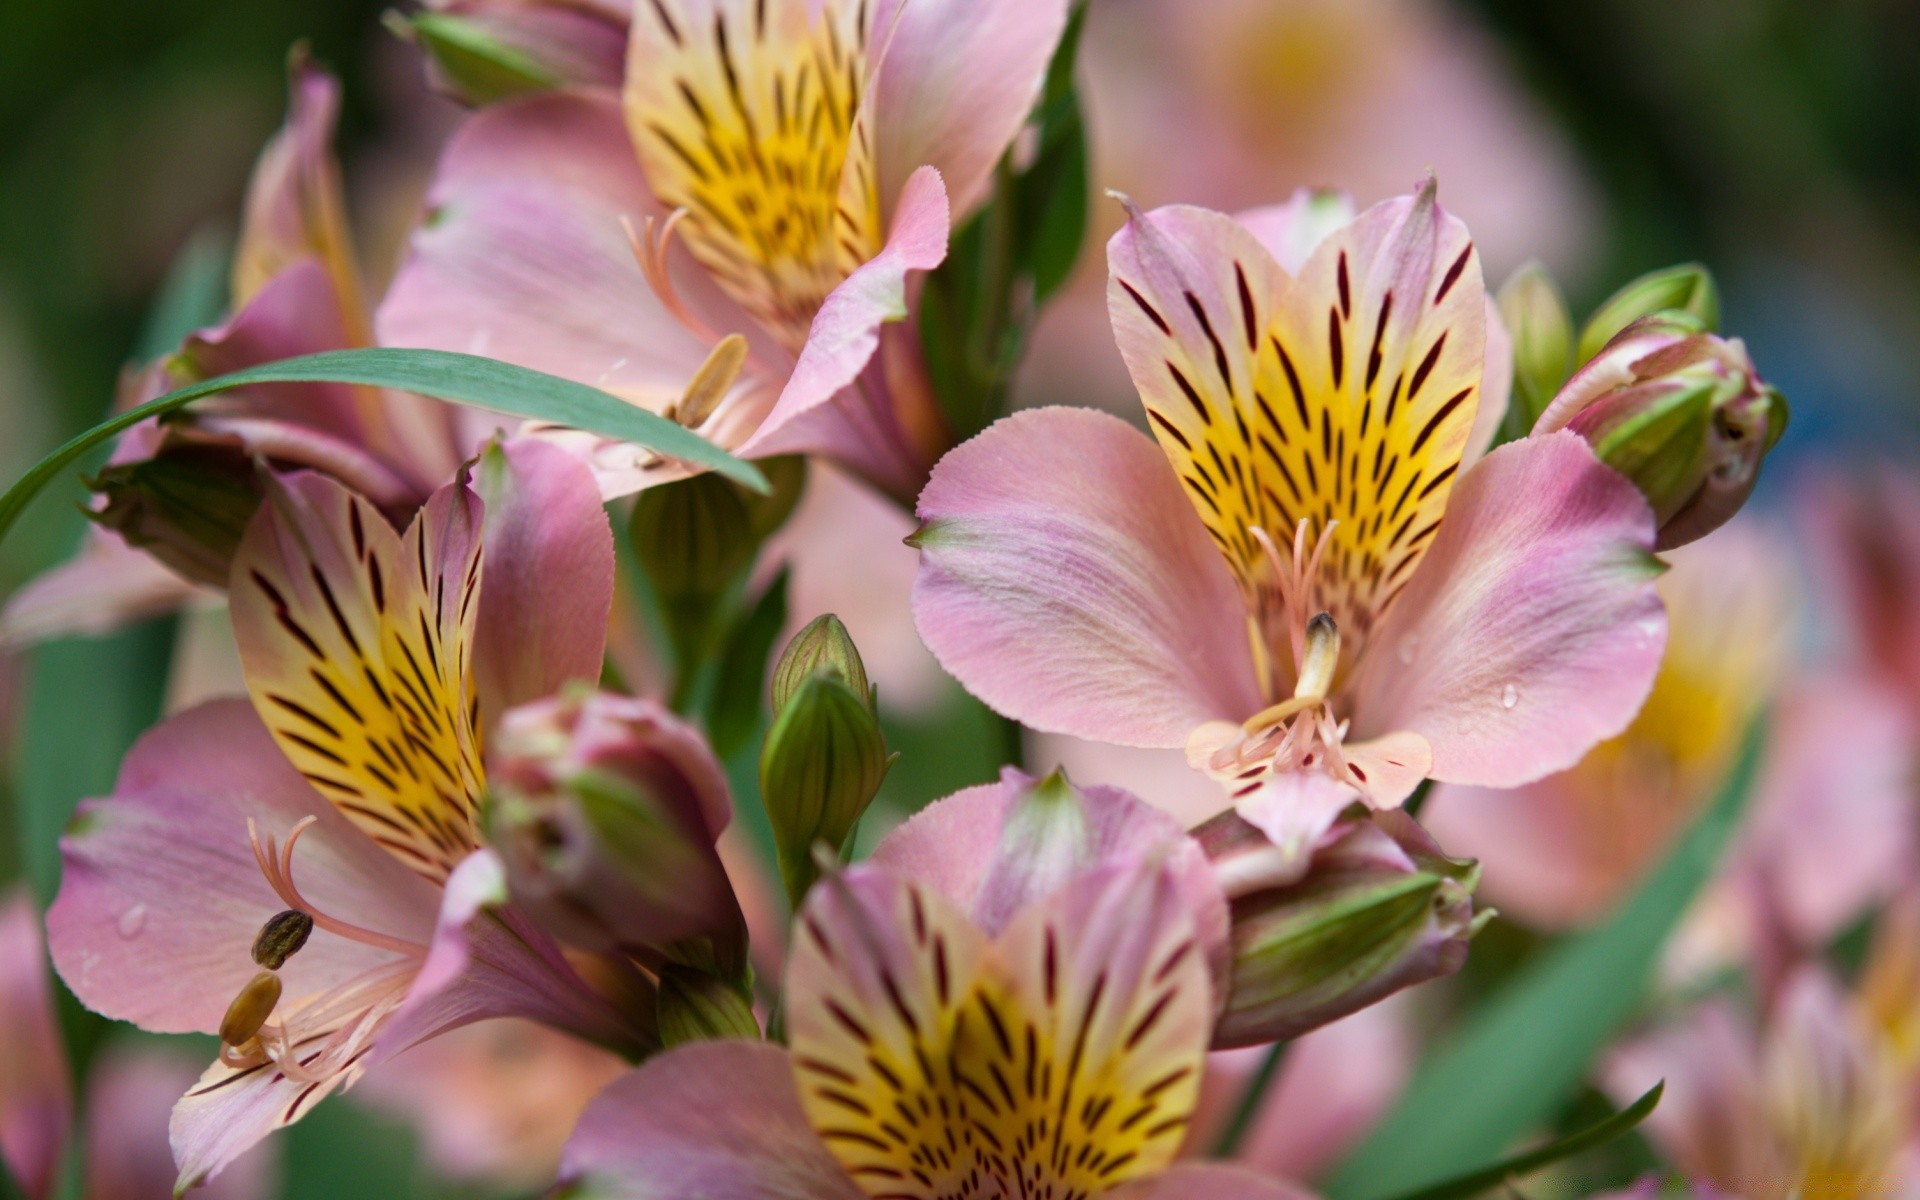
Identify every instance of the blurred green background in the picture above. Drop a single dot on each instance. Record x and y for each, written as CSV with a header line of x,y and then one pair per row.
x,y
1777,140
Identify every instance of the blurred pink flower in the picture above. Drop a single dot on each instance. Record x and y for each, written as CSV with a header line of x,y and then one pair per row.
x,y
1333,1084
373,662
1017,949
36,1097
1825,838
495,1101
1297,93
809,157
296,289
126,1155
1810,1104
1247,594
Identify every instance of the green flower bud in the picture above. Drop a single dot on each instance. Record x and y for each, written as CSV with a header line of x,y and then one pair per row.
x,y
187,505
821,766
1379,910
823,647
1683,414
1687,288
1537,319
697,1007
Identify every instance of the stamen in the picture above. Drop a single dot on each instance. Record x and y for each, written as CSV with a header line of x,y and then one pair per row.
x,y
276,863
1320,660
711,382
650,251
281,938
250,1009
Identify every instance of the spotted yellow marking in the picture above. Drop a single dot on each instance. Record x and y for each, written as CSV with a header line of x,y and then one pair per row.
x,y
357,648
1060,1060
751,119
1342,396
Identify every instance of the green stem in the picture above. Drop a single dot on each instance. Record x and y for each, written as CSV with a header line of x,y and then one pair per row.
x,y
1250,1100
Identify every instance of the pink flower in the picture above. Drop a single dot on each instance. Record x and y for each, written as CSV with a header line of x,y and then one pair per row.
x,y
808,156
344,800
1018,987
1315,588
36,1097
1812,1103
296,290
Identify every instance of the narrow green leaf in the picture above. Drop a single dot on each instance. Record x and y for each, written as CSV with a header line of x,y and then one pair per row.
x,y
478,66
459,378
1591,1138
1520,1055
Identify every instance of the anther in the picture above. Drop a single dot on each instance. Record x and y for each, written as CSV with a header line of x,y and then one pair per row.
x,y
281,938
712,381
1319,659
250,1009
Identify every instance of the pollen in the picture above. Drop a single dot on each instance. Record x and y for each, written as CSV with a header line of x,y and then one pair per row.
x,y
248,1013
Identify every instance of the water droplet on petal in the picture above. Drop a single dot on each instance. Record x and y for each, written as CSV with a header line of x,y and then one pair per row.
x,y
132,921
1509,696
1409,647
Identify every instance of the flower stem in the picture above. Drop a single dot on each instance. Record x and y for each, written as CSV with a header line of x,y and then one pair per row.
x,y
1249,1105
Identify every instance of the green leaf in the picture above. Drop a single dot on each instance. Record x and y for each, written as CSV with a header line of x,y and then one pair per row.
x,y
733,712
460,378
1590,1138
1520,1055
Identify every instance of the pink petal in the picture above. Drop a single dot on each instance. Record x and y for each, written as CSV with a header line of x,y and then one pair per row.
x,y
523,257
496,1101
487,960
720,1120
1532,631
846,331
356,645
544,524
1190,1181
160,898
998,848
956,80
36,1098
1297,810
106,585
129,1092
1065,580
1713,1118
1496,389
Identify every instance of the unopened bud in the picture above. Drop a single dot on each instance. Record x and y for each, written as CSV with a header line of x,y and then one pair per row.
x,y
250,1009
187,506
1686,289
605,810
281,938
697,1007
486,50
821,766
1537,319
695,538
1379,910
824,647
1681,413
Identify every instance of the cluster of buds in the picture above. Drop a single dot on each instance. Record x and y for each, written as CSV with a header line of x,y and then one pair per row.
x,y
1377,909
1650,384
825,756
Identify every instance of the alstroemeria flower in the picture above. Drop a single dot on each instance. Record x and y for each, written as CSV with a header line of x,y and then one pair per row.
x,y
1312,588
180,491
1013,997
1810,1104
36,1097
341,803
809,157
